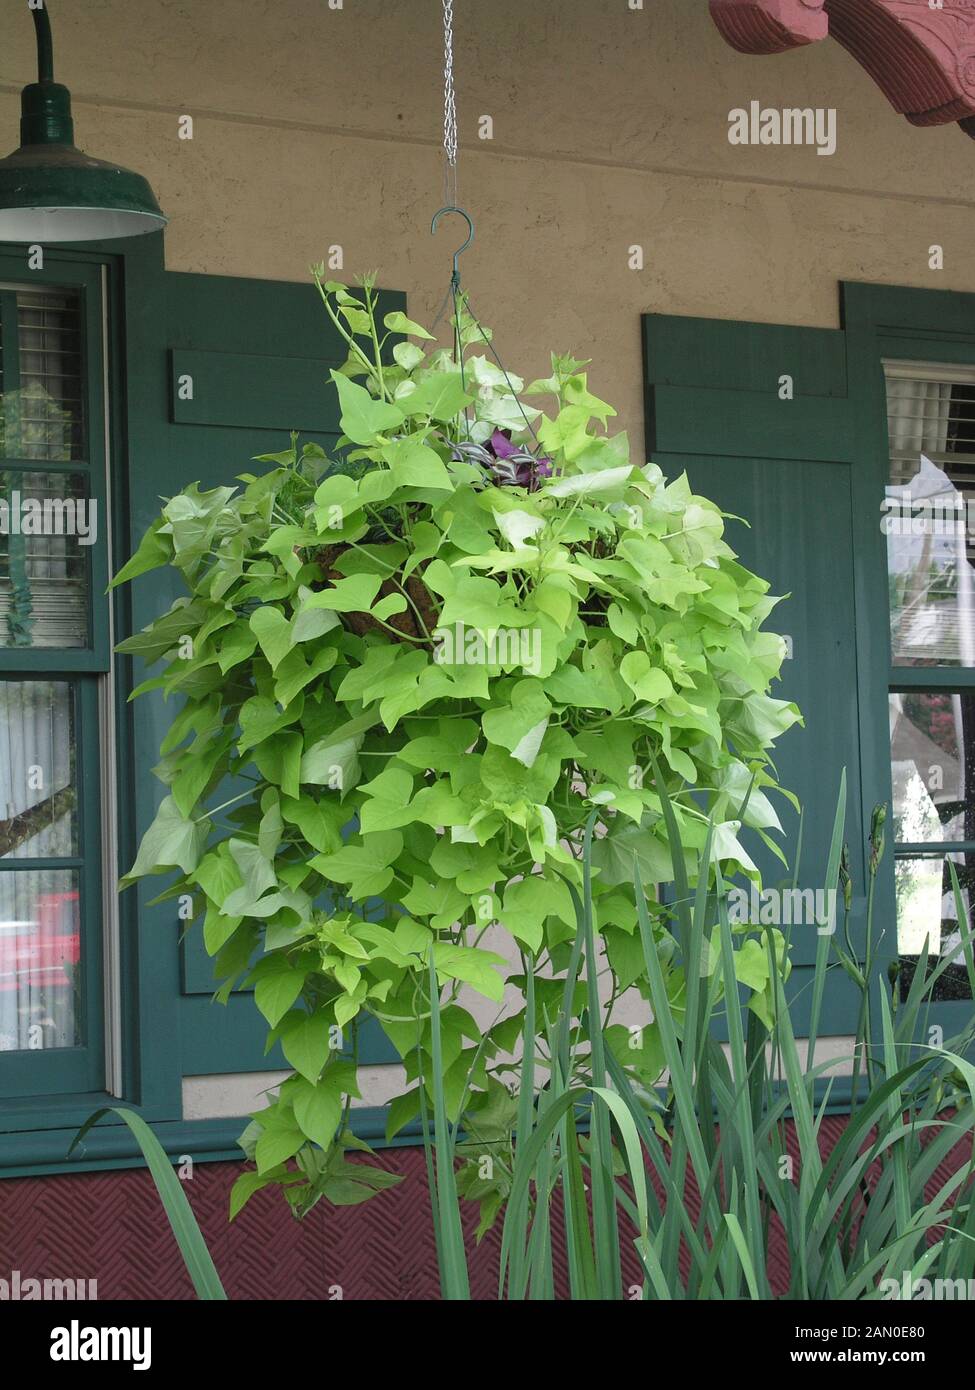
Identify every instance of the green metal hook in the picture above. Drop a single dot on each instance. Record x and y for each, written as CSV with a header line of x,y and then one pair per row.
x,y
455,278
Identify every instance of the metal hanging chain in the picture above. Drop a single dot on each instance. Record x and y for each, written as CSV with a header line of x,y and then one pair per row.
x,y
453,295
493,351
449,152
460,302
450,169
449,106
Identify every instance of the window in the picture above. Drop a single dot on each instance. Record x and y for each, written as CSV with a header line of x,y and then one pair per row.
x,y
929,520
54,645
930,545
43,576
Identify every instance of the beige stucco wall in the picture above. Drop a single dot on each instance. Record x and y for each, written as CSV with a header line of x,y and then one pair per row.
x,y
316,126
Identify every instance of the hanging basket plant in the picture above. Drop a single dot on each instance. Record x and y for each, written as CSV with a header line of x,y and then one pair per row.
x,y
424,663
413,623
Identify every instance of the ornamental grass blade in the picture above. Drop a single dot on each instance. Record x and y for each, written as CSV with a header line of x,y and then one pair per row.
x,y
823,939
604,1225
741,1249
580,1251
895,1110
526,1161
964,926
453,1271
516,1226
740,1119
189,1238
679,1064
633,1157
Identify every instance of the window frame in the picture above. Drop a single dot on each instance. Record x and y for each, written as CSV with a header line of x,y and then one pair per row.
x,y
927,355
47,1080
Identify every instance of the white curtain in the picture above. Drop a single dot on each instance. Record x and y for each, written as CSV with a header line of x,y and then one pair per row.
x,y
38,908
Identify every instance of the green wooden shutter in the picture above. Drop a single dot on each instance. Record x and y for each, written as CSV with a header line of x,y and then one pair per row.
x,y
785,467
255,355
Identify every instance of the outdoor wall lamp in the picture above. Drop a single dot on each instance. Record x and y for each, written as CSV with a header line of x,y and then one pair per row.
x,y
49,190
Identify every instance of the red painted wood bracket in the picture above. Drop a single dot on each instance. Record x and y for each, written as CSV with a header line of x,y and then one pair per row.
x,y
922,58
770,26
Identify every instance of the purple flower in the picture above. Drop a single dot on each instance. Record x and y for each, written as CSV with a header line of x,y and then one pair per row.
x,y
502,445
509,465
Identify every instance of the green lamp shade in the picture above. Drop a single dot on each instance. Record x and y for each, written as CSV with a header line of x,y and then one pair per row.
x,y
50,191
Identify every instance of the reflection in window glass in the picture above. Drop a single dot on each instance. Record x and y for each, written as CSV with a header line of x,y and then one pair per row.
x,y
38,784
932,750
41,387
930,521
47,526
926,904
40,939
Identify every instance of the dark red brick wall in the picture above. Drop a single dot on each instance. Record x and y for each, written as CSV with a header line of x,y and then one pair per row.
x,y
110,1227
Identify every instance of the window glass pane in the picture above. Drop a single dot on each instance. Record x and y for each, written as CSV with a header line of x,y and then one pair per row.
x,y
38,784
47,527
41,387
929,504
40,940
926,903
932,751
